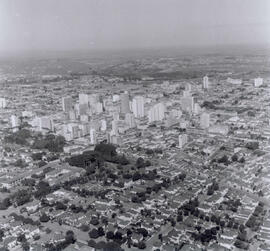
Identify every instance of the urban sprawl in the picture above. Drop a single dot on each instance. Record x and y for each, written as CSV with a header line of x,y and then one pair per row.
x,y
90,162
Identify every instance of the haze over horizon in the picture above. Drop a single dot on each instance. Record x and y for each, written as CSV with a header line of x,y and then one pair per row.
x,y
30,25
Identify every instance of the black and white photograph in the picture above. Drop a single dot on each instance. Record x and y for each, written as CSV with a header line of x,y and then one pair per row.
x,y
132,125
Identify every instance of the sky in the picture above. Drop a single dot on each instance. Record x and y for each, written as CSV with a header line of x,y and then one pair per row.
x,y
99,24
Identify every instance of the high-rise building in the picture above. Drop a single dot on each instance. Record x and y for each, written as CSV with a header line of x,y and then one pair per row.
x,y
98,108
130,120
188,87
187,103
115,116
205,83
103,125
115,129
73,114
171,119
115,98
66,133
15,123
182,140
125,103
93,99
186,94
83,98
205,120
83,109
156,113
84,128
84,118
258,82
114,139
197,109
176,113
93,136
3,103
74,130
67,104
46,124
138,106
94,104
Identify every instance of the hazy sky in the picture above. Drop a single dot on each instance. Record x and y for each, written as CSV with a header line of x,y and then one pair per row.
x,y
81,24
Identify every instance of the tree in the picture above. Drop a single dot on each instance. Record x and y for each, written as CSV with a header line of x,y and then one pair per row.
x,y
25,246
241,244
22,197
234,158
101,231
70,237
5,204
224,160
252,145
60,205
94,221
37,156
107,151
92,243
44,218
94,234
143,231
140,163
84,228
179,218
43,188
2,234
21,238
136,176
110,235
141,245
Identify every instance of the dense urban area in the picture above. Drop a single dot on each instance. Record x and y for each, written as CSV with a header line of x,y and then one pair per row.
x,y
153,153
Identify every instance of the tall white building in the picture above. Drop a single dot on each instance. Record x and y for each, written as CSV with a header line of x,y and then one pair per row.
x,y
115,128
15,123
205,120
83,98
125,103
138,106
3,103
84,128
188,87
156,113
258,82
205,83
197,109
182,140
115,98
67,104
84,118
187,103
83,109
115,116
93,136
98,108
103,125
186,93
73,114
73,130
130,120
